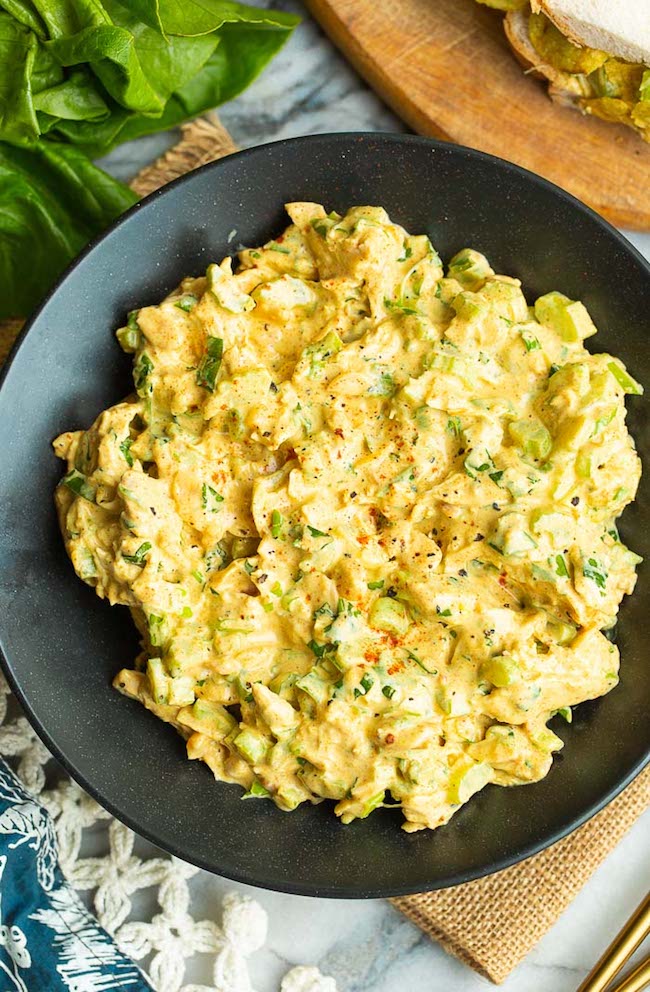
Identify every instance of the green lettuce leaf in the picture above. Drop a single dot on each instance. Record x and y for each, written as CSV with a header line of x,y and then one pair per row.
x,y
75,99
17,53
195,17
23,12
77,77
52,201
242,53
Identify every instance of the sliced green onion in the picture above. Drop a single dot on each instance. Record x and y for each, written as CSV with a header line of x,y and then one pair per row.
x,y
276,523
531,343
130,337
365,684
592,569
79,485
125,448
210,499
187,302
206,374
141,372
139,557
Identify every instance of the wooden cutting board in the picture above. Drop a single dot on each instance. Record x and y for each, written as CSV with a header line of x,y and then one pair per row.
x,y
445,67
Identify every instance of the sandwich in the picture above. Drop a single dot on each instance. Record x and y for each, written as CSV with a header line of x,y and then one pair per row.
x,y
595,54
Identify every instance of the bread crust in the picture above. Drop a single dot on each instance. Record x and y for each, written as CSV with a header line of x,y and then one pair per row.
x,y
515,25
632,45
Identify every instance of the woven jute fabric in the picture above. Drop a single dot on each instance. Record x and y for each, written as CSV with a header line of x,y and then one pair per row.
x,y
491,923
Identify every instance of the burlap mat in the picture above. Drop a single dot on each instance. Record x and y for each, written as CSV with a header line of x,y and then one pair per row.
x,y
492,923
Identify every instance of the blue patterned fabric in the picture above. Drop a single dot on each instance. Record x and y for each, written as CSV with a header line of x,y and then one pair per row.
x,y
49,942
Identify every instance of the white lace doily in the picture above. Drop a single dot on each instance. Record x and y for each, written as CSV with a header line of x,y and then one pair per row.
x,y
167,942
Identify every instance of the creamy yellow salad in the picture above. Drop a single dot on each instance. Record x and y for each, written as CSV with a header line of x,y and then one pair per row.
x,y
363,511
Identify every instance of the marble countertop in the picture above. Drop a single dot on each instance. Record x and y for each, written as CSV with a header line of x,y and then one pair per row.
x,y
367,946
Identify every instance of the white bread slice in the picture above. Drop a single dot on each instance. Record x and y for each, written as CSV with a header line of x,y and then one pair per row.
x,y
618,27
564,87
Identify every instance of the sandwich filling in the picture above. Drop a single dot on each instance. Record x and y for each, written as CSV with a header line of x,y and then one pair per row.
x,y
595,81
362,510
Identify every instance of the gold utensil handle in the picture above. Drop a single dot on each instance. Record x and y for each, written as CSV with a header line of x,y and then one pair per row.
x,y
618,952
637,979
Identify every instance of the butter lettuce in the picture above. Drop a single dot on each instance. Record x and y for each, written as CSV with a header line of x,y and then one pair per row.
x,y
78,77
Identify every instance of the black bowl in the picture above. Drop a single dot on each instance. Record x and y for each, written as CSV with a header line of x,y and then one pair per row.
x,y
62,646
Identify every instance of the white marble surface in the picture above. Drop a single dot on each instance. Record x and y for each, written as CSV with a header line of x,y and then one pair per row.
x,y
368,946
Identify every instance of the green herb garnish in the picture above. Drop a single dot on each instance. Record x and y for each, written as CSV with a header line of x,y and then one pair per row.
x,y
206,374
140,556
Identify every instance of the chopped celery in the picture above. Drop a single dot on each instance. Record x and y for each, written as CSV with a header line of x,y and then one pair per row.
x,y
644,86
320,351
389,615
370,804
583,464
213,716
244,547
181,691
557,526
85,564
470,268
256,791
276,523
601,84
466,778
624,379
533,437
251,745
603,421
507,300
563,633
158,680
566,713
226,291
468,305
315,687
501,671
570,319
510,538
158,630
290,798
